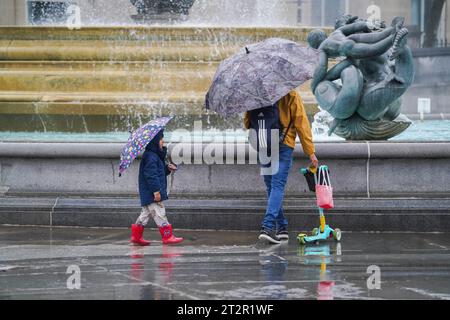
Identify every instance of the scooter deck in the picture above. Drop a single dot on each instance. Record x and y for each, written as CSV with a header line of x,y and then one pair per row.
x,y
328,233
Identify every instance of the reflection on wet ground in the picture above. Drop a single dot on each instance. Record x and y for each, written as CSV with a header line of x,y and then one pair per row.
x,y
220,265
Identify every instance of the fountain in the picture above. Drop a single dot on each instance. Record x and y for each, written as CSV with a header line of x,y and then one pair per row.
x,y
321,125
161,10
90,84
100,80
115,71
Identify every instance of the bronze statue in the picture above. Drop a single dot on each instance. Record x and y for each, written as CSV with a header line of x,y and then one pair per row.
x,y
362,91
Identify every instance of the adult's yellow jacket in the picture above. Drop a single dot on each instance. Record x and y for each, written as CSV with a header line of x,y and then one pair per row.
x,y
291,109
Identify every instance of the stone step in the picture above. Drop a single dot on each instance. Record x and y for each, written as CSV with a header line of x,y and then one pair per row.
x,y
217,35
150,81
89,51
86,96
118,77
112,103
350,214
144,80
109,66
133,44
51,76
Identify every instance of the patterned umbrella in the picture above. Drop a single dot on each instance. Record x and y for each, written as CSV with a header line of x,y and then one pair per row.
x,y
138,140
260,75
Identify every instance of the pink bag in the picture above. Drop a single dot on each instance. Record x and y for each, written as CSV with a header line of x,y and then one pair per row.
x,y
324,191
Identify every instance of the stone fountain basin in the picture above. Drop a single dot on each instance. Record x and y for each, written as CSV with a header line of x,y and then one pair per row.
x,y
359,169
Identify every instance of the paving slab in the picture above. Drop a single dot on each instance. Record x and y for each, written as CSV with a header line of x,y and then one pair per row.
x,y
220,265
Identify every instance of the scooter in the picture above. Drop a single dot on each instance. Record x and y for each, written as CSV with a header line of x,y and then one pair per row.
x,y
324,232
322,255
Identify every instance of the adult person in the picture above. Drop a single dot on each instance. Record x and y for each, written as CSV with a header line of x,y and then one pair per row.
x,y
294,121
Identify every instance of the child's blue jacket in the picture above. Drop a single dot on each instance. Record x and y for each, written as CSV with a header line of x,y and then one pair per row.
x,y
153,173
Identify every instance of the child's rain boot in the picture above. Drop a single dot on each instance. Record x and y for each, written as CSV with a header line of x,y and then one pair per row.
x,y
136,235
167,235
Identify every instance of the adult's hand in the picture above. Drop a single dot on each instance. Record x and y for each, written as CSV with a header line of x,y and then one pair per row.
x,y
157,196
314,160
172,167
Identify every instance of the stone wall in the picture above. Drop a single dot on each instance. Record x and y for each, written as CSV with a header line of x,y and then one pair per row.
x,y
357,169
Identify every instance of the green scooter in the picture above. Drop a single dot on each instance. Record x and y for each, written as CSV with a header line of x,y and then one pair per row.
x,y
324,232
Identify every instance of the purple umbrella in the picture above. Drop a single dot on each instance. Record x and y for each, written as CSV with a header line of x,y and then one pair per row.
x,y
138,140
260,75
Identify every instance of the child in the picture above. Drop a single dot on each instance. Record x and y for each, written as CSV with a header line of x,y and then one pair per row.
x,y
153,191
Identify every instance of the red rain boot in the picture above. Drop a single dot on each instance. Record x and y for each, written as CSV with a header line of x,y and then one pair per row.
x,y
167,235
136,235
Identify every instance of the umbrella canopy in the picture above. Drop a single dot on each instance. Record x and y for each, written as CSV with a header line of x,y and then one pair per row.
x,y
259,75
138,140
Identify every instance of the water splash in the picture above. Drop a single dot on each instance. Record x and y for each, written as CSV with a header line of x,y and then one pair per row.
x,y
321,126
202,13
238,13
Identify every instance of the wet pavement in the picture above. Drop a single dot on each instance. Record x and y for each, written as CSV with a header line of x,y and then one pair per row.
x,y
42,263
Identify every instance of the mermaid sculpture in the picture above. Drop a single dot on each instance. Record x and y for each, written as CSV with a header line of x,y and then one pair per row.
x,y
362,92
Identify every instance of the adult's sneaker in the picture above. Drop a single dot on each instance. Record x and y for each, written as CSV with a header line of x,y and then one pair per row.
x,y
269,237
282,234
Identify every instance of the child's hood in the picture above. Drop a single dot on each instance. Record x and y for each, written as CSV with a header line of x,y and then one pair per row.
x,y
153,146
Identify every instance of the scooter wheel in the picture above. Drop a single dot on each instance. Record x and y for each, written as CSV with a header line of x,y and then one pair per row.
x,y
315,232
337,234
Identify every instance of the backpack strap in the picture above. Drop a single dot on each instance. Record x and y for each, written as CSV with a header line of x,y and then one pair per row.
x,y
288,128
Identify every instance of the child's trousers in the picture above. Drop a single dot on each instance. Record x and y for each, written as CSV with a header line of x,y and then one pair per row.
x,y
157,211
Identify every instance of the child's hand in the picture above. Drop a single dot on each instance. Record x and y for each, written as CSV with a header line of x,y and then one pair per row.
x,y
172,167
157,196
